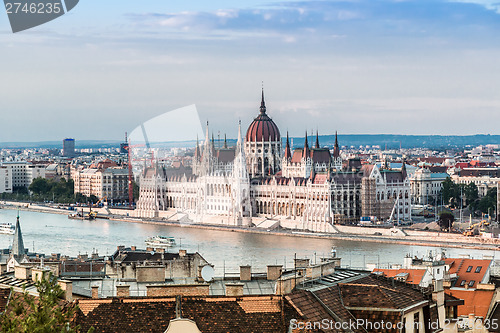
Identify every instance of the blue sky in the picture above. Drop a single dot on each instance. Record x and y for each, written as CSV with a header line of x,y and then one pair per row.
x,y
361,66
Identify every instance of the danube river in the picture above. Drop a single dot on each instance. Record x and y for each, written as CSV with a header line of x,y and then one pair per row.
x,y
227,250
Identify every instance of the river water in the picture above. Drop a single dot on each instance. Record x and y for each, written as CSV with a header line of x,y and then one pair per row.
x,y
227,250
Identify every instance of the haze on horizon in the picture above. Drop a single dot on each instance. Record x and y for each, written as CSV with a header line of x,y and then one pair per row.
x,y
389,66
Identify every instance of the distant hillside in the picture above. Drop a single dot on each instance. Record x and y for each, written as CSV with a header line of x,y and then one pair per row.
x,y
83,144
406,141
383,140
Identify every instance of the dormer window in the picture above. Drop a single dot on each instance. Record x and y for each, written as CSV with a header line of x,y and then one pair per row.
x,y
471,283
462,283
478,269
469,269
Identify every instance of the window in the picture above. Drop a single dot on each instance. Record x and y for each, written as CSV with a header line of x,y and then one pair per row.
x,y
471,283
438,271
416,322
469,269
462,283
478,269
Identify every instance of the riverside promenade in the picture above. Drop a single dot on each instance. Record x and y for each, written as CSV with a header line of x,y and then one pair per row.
x,y
403,236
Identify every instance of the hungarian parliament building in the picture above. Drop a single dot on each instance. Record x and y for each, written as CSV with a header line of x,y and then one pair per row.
x,y
260,183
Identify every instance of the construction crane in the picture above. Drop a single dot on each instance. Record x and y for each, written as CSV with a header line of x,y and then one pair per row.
x,y
103,200
130,174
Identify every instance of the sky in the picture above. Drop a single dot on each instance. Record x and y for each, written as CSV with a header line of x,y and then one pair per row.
x,y
356,67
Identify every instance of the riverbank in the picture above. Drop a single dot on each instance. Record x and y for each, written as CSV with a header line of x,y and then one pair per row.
x,y
347,233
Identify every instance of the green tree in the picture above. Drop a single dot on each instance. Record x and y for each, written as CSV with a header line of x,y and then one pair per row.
x,y
135,190
471,193
488,203
40,186
446,220
44,314
451,192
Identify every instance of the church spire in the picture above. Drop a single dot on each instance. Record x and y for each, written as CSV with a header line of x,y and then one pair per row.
x,y
262,103
18,245
306,152
403,169
336,150
288,153
239,165
208,152
197,154
317,140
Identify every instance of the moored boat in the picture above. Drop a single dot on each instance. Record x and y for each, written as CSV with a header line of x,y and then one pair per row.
x,y
7,228
160,241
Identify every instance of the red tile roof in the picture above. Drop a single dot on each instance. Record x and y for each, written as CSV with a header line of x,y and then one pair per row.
x,y
415,276
475,301
460,266
211,314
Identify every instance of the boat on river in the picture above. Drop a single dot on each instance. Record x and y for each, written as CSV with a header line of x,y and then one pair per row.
x,y
7,228
82,216
160,241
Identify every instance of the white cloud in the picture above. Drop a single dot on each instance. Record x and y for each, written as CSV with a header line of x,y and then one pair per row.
x,y
493,5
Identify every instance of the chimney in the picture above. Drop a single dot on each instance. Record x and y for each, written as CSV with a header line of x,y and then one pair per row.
x,y
120,247
245,273
149,249
67,287
122,291
160,250
95,292
234,289
39,274
22,272
182,253
133,248
301,263
273,272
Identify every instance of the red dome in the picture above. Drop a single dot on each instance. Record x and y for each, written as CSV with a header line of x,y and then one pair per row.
x,y
263,128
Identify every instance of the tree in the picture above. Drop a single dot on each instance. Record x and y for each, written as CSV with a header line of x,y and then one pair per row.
x,y
448,190
446,220
471,193
45,314
488,203
40,186
135,190
451,192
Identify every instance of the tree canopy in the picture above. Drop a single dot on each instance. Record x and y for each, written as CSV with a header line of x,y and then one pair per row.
x,y
47,313
446,220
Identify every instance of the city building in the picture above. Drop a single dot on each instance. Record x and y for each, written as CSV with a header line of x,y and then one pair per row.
x,y
152,265
20,174
68,148
104,180
426,186
5,179
484,178
256,181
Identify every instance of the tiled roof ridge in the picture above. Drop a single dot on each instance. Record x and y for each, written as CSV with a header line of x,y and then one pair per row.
x,y
290,300
343,305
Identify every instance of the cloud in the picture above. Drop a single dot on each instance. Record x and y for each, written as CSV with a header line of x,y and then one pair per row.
x,y
361,20
493,5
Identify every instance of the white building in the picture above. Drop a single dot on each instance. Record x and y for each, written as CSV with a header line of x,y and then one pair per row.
x,y
22,173
308,190
5,180
426,186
